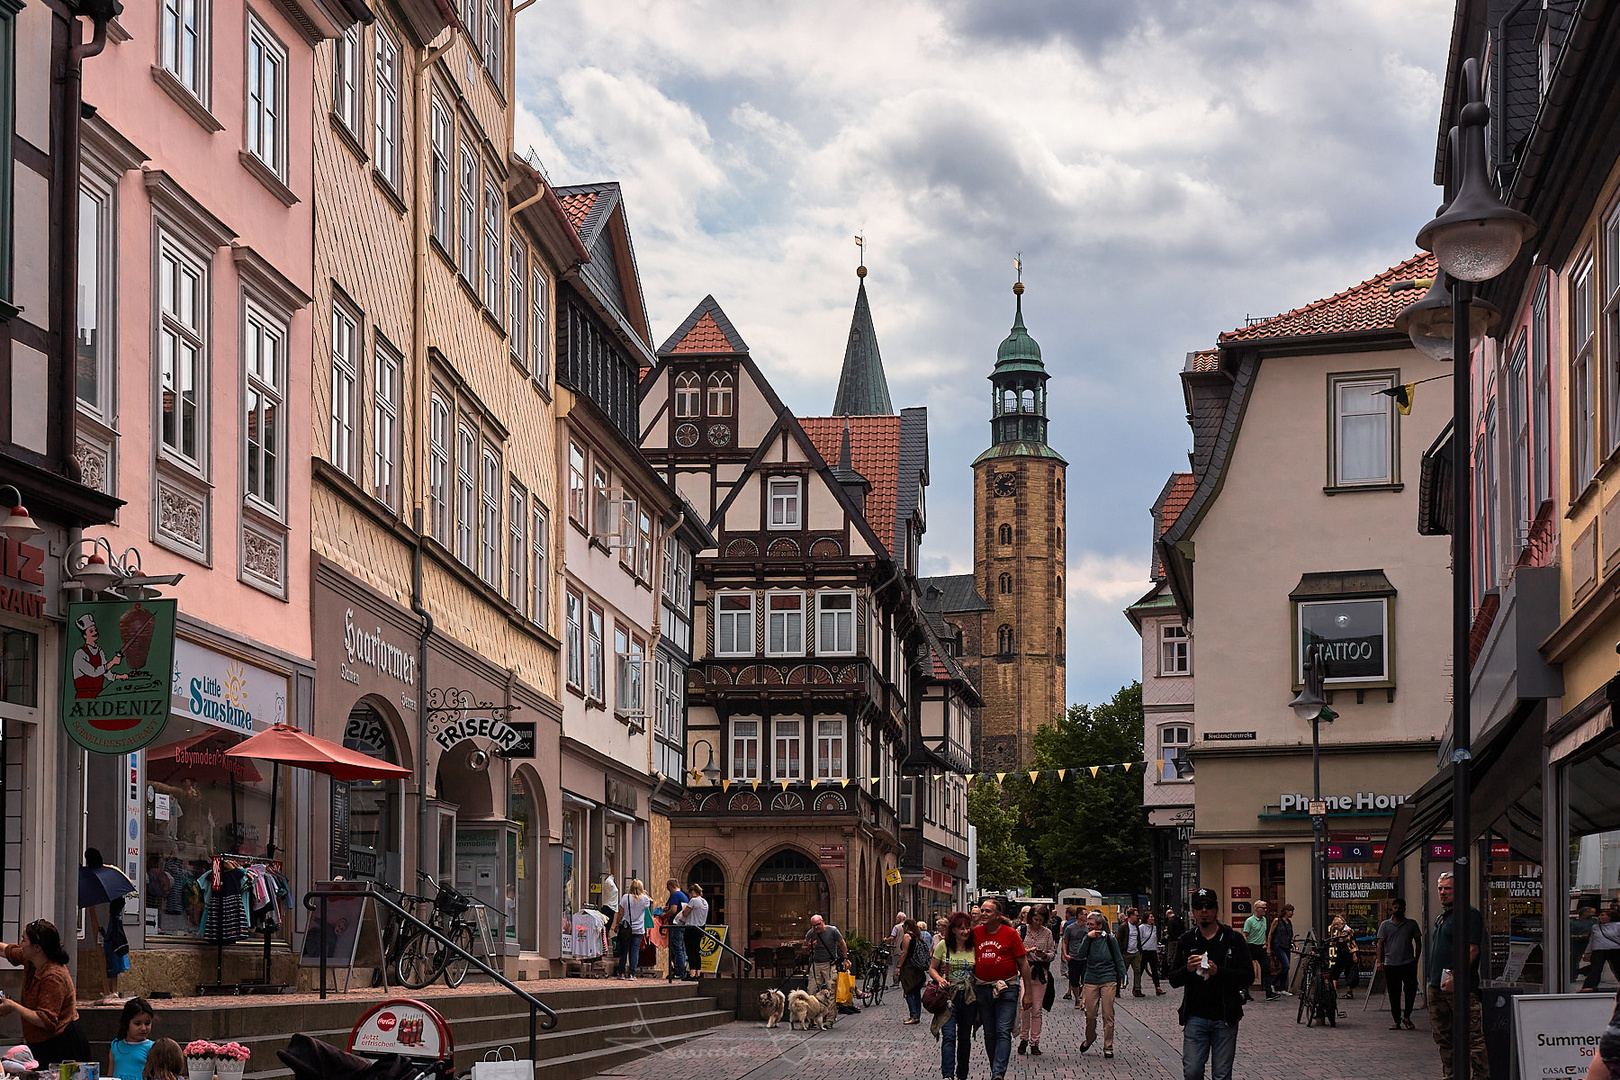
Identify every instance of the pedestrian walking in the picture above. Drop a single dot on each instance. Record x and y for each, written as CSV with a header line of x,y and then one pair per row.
x,y
1440,993
829,953
1344,960
1214,968
1074,933
1103,966
697,918
1604,948
912,959
630,923
675,930
1281,940
1130,945
1254,932
952,968
1040,947
1001,974
894,942
1150,951
1400,943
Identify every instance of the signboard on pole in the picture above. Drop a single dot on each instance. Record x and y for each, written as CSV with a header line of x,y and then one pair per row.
x,y
709,948
117,664
1557,1034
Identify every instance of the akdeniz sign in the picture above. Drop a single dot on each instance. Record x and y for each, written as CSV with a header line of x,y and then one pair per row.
x,y
114,673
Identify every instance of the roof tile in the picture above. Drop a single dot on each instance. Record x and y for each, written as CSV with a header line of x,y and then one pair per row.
x,y
704,337
577,205
874,452
1367,306
1175,500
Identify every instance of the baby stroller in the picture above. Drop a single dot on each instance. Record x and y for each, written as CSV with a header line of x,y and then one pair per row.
x,y
312,1059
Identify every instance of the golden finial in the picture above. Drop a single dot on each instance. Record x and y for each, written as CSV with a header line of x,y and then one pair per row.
x,y
1018,265
860,242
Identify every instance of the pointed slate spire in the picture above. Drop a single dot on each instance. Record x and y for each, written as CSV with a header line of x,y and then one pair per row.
x,y
862,388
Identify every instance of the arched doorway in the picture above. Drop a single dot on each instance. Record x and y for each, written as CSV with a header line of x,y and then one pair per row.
x,y
707,873
786,890
371,807
526,806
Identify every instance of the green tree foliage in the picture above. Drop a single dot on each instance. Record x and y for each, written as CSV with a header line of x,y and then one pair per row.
x,y
1084,830
1003,863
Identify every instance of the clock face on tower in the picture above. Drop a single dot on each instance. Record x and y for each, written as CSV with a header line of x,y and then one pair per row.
x,y
1004,483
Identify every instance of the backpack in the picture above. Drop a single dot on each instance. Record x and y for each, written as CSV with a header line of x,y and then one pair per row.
x,y
919,954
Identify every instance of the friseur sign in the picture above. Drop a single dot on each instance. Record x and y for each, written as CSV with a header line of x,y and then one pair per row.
x,y
116,670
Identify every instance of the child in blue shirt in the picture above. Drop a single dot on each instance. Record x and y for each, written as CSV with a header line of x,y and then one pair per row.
x,y
133,1041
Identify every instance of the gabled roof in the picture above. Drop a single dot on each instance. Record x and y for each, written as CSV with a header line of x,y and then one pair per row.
x,y
1173,499
874,443
706,331
597,213
1360,308
958,593
862,388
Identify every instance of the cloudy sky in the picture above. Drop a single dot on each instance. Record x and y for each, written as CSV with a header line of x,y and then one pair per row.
x,y
1166,167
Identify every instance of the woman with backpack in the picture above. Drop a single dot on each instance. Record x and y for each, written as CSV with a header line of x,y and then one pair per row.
x,y
1040,947
913,968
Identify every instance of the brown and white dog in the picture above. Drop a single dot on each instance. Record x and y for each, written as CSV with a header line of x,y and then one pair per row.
x,y
805,1009
772,1004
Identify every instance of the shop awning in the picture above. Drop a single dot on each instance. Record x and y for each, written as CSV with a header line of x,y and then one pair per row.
x,y
1498,778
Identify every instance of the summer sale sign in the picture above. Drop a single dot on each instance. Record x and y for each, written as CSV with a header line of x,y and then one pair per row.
x,y
116,671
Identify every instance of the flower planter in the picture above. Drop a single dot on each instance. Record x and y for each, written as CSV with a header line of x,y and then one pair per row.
x,y
230,1068
199,1069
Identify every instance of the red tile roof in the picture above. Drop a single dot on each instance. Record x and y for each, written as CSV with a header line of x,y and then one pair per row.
x,y
577,205
1175,500
704,337
1367,306
874,452
1206,360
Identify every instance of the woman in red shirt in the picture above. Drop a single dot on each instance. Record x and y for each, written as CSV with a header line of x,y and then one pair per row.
x,y
1001,975
47,1008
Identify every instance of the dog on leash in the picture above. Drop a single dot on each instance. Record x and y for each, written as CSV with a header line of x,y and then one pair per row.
x,y
805,1009
772,1004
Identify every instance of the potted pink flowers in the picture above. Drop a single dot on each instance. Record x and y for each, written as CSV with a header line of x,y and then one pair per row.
x,y
204,1059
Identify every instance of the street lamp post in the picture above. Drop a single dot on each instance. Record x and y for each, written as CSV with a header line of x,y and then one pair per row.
x,y
1311,705
1474,238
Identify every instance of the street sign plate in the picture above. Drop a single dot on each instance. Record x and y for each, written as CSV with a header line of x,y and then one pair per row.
x,y
1318,808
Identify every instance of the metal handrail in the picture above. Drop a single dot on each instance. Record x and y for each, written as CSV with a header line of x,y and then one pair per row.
x,y
318,898
736,974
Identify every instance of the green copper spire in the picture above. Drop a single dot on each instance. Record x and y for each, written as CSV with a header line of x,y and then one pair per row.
x,y
1018,392
862,388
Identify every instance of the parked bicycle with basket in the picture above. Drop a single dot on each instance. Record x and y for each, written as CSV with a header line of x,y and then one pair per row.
x,y
422,958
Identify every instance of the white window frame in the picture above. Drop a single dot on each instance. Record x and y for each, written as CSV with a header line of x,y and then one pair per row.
x,y
539,309
743,760
1608,337
595,658
539,563
184,33
574,632
832,758
491,489
790,620
1169,751
720,394
688,395
1387,613
266,104
345,386
97,204
578,486
264,345
517,308
1582,380
787,748
439,468
734,629
467,213
492,249
439,186
466,492
385,426
1175,650
181,333
385,106
644,544
784,502
828,620
1384,407
494,37
517,546
347,102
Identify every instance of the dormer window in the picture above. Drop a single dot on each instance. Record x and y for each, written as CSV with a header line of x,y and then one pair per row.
x,y
720,394
688,394
784,497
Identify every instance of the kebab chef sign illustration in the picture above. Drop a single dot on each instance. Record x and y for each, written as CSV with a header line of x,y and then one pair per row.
x,y
115,683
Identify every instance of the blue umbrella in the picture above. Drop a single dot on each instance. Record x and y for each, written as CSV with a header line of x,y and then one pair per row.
x,y
102,885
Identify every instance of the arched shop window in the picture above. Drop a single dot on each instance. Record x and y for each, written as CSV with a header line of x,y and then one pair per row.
x,y
786,890
707,873
371,807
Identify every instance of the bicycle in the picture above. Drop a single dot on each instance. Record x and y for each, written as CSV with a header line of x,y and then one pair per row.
x,y
877,977
422,957
395,934
1318,1001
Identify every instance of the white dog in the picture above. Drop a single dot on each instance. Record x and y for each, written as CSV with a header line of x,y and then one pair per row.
x,y
772,1004
805,1008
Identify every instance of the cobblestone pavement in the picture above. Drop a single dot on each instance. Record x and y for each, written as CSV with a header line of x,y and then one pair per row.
x,y
1147,1046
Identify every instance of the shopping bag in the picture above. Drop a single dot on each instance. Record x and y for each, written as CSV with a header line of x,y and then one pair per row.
x,y
845,994
497,1066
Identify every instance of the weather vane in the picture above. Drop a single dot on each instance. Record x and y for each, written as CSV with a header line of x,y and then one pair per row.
x,y
860,242
1018,264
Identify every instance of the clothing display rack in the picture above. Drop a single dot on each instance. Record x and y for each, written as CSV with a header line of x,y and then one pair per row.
x,y
216,912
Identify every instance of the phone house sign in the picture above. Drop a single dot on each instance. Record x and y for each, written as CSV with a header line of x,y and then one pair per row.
x,y
1362,802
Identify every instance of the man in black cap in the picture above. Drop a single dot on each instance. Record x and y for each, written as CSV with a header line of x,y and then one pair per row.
x,y
1213,966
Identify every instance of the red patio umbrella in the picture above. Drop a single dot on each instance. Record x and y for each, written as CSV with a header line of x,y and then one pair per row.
x,y
284,744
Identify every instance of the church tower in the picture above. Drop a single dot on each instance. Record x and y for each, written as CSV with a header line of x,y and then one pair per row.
x,y
1018,545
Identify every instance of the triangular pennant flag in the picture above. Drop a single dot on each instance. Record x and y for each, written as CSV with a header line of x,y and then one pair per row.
x,y
1094,769
1061,772
784,785
1128,765
1000,776
813,782
1110,768
1159,763
876,780
844,782
725,785
756,785
970,777
1033,773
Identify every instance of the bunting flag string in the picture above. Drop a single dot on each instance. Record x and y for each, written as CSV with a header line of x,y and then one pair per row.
x,y
874,782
